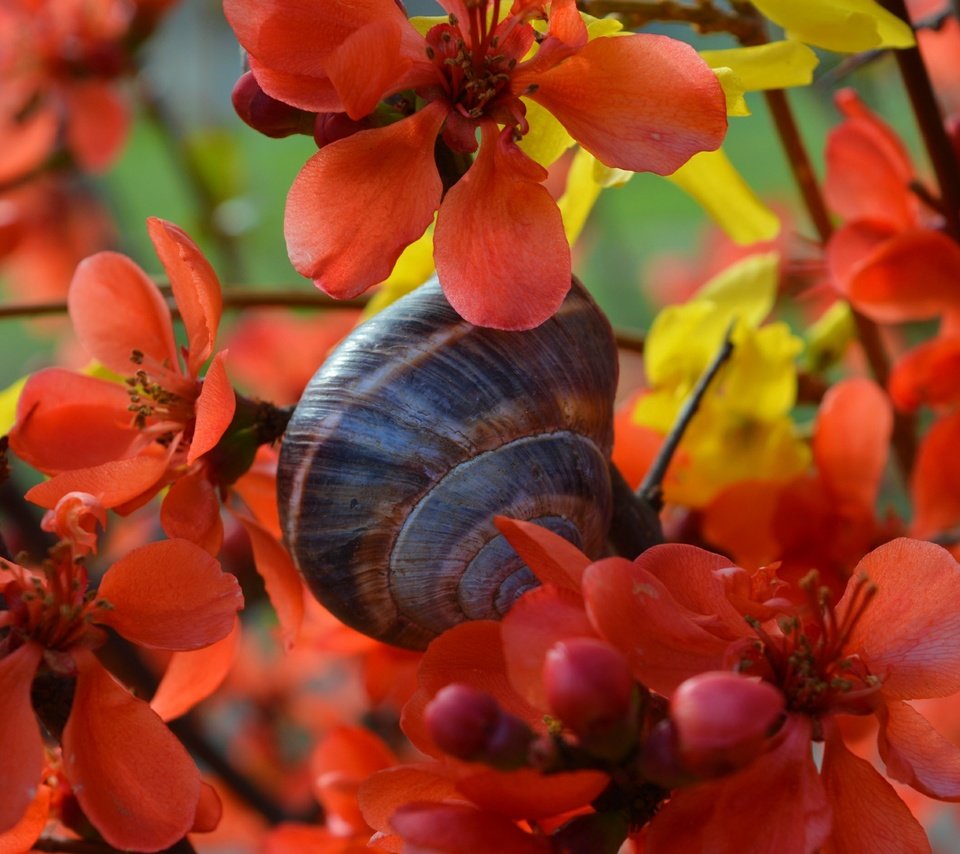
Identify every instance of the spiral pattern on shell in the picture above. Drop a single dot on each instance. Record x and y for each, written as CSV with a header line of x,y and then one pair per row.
x,y
416,432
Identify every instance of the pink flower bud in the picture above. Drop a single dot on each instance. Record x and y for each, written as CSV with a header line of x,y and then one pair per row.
x,y
470,725
722,720
266,114
590,688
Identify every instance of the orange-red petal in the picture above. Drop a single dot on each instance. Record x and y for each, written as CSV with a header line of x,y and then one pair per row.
x,y
909,633
869,814
641,102
455,828
663,640
553,559
851,441
343,759
502,258
740,521
280,577
191,511
928,375
114,483
70,421
21,837
133,779
776,805
215,408
209,810
195,286
138,318
916,754
382,793
912,276
20,743
360,201
171,595
98,123
528,794
869,171
537,620
193,675
935,483
25,145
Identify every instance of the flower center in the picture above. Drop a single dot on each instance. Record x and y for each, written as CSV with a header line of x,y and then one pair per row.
x,y
54,607
475,60
810,662
155,407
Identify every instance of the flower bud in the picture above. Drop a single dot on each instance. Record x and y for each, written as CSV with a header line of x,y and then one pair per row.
x,y
590,688
722,720
330,127
266,114
470,725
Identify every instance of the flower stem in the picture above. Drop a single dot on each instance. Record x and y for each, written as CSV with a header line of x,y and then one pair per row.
x,y
651,489
904,427
930,121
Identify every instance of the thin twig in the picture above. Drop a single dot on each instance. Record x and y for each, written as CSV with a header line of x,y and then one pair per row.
x,y
233,298
651,488
923,99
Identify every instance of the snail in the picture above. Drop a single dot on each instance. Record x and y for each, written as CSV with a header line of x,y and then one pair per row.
x,y
419,429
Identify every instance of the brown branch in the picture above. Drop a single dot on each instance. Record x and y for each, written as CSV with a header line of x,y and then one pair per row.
x,y
704,17
930,121
233,298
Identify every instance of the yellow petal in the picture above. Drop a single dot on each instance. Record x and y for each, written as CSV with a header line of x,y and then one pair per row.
x,y
829,337
8,405
610,176
413,268
747,289
681,342
424,23
547,139
599,27
711,179
776,65
733,90
580,195
760,382
845,26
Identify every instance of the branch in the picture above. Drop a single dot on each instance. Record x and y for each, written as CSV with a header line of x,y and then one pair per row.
x,y
651,489
930,121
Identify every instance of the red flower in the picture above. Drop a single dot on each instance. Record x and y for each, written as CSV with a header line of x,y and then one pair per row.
x,y
825,519
59,60
133,779
124,442
638,102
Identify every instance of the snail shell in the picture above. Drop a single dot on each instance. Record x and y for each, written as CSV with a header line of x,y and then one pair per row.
x,y
420,428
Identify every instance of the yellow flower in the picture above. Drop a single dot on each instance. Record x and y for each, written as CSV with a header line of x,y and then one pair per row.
x,y
743,428
845,26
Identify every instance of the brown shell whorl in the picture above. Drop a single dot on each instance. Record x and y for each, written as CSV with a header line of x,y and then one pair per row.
x,y
420,428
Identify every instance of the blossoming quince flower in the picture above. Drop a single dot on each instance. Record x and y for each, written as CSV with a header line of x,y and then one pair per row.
x,y
124,442
637,102
131,776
